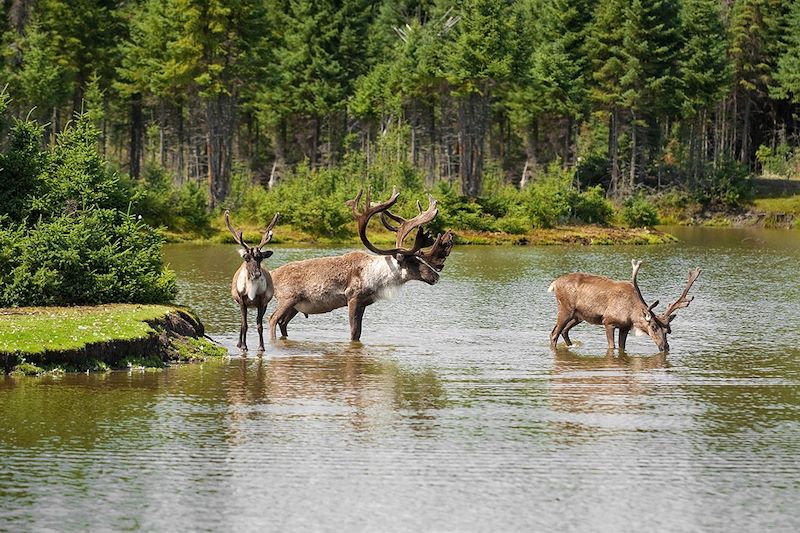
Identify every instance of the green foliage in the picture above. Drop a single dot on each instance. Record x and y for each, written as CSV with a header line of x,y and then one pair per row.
x,y
639,212
20,167
788,73
782,161
592,170
726,188
183,208
705,66
592,206
96,257
65,239
75,176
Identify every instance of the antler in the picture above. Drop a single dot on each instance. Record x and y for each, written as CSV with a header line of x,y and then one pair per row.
x,y
422,239
369,211
683,300
635,265
436,256
268,233
237,235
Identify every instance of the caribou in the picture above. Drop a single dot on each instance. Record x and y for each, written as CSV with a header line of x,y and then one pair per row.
x,y
617,305
251,285
358,279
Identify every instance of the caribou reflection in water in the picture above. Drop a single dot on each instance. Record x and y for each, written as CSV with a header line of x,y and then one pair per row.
x,y
365,382
586,389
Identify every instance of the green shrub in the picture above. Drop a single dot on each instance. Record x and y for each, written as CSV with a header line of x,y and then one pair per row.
x,y
593,171
20,167
781,162
638,212
729,186
75,177
592,207
93,257
160,203
550,199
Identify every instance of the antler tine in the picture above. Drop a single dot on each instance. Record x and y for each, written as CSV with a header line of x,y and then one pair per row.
x,y
407,226
369,211
635,265
237,235
684,300
268,233
386,215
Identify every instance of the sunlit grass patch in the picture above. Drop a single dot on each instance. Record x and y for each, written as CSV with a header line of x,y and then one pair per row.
x,y
35,330
788,204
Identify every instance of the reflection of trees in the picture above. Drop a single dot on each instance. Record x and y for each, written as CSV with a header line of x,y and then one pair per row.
x,y
328,375
587,388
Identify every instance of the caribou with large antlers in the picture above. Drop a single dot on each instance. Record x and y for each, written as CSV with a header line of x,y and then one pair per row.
x,y
358,279
614,304
252,285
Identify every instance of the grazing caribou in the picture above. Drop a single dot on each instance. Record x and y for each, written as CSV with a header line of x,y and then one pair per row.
x,y
614,304
358,279
252,285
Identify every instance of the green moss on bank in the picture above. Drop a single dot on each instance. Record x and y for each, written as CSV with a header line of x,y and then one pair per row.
x,y
37,339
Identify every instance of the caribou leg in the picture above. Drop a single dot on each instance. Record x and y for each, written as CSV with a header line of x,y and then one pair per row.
x,y
243,329
283,321
561,322
260,322
276,315
610,335
356,311
623,336
565,333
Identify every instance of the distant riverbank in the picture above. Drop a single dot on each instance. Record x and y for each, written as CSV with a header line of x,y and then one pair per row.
x,y
38,339
573,234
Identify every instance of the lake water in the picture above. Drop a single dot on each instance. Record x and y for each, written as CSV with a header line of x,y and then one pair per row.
x,y
453,415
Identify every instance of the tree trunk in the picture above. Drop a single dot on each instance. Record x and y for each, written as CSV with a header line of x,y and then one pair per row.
x,y
531,152
613,152
632,176
219,139
472,117
744,154
137,136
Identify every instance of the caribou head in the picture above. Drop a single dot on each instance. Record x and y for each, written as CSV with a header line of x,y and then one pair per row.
x,y
426,256
658,326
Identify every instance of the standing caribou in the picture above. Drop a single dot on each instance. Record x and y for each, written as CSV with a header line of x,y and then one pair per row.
x,y
358,279
614,304
252,285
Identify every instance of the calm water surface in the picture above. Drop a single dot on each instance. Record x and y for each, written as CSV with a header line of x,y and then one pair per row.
x,y
453,415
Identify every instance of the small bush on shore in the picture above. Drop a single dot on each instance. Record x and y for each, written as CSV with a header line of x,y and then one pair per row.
x,y
639,212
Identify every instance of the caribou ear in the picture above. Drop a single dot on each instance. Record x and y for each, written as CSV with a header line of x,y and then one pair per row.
x,y
242,252
671,318
648,316
266,253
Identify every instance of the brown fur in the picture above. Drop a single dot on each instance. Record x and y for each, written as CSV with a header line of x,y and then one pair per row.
x,y
355,280
613,304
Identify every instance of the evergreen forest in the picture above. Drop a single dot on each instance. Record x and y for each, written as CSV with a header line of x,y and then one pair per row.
x,y
518,114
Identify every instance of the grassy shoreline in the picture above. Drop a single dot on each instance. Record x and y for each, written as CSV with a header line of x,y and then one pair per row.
x,y
562,235
38,339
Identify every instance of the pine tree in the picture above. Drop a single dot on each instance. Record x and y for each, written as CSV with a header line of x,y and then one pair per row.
x,y
605,49
478,59
788,73
756,28
705,72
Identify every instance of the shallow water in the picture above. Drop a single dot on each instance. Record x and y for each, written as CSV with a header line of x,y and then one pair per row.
x,y
454,414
